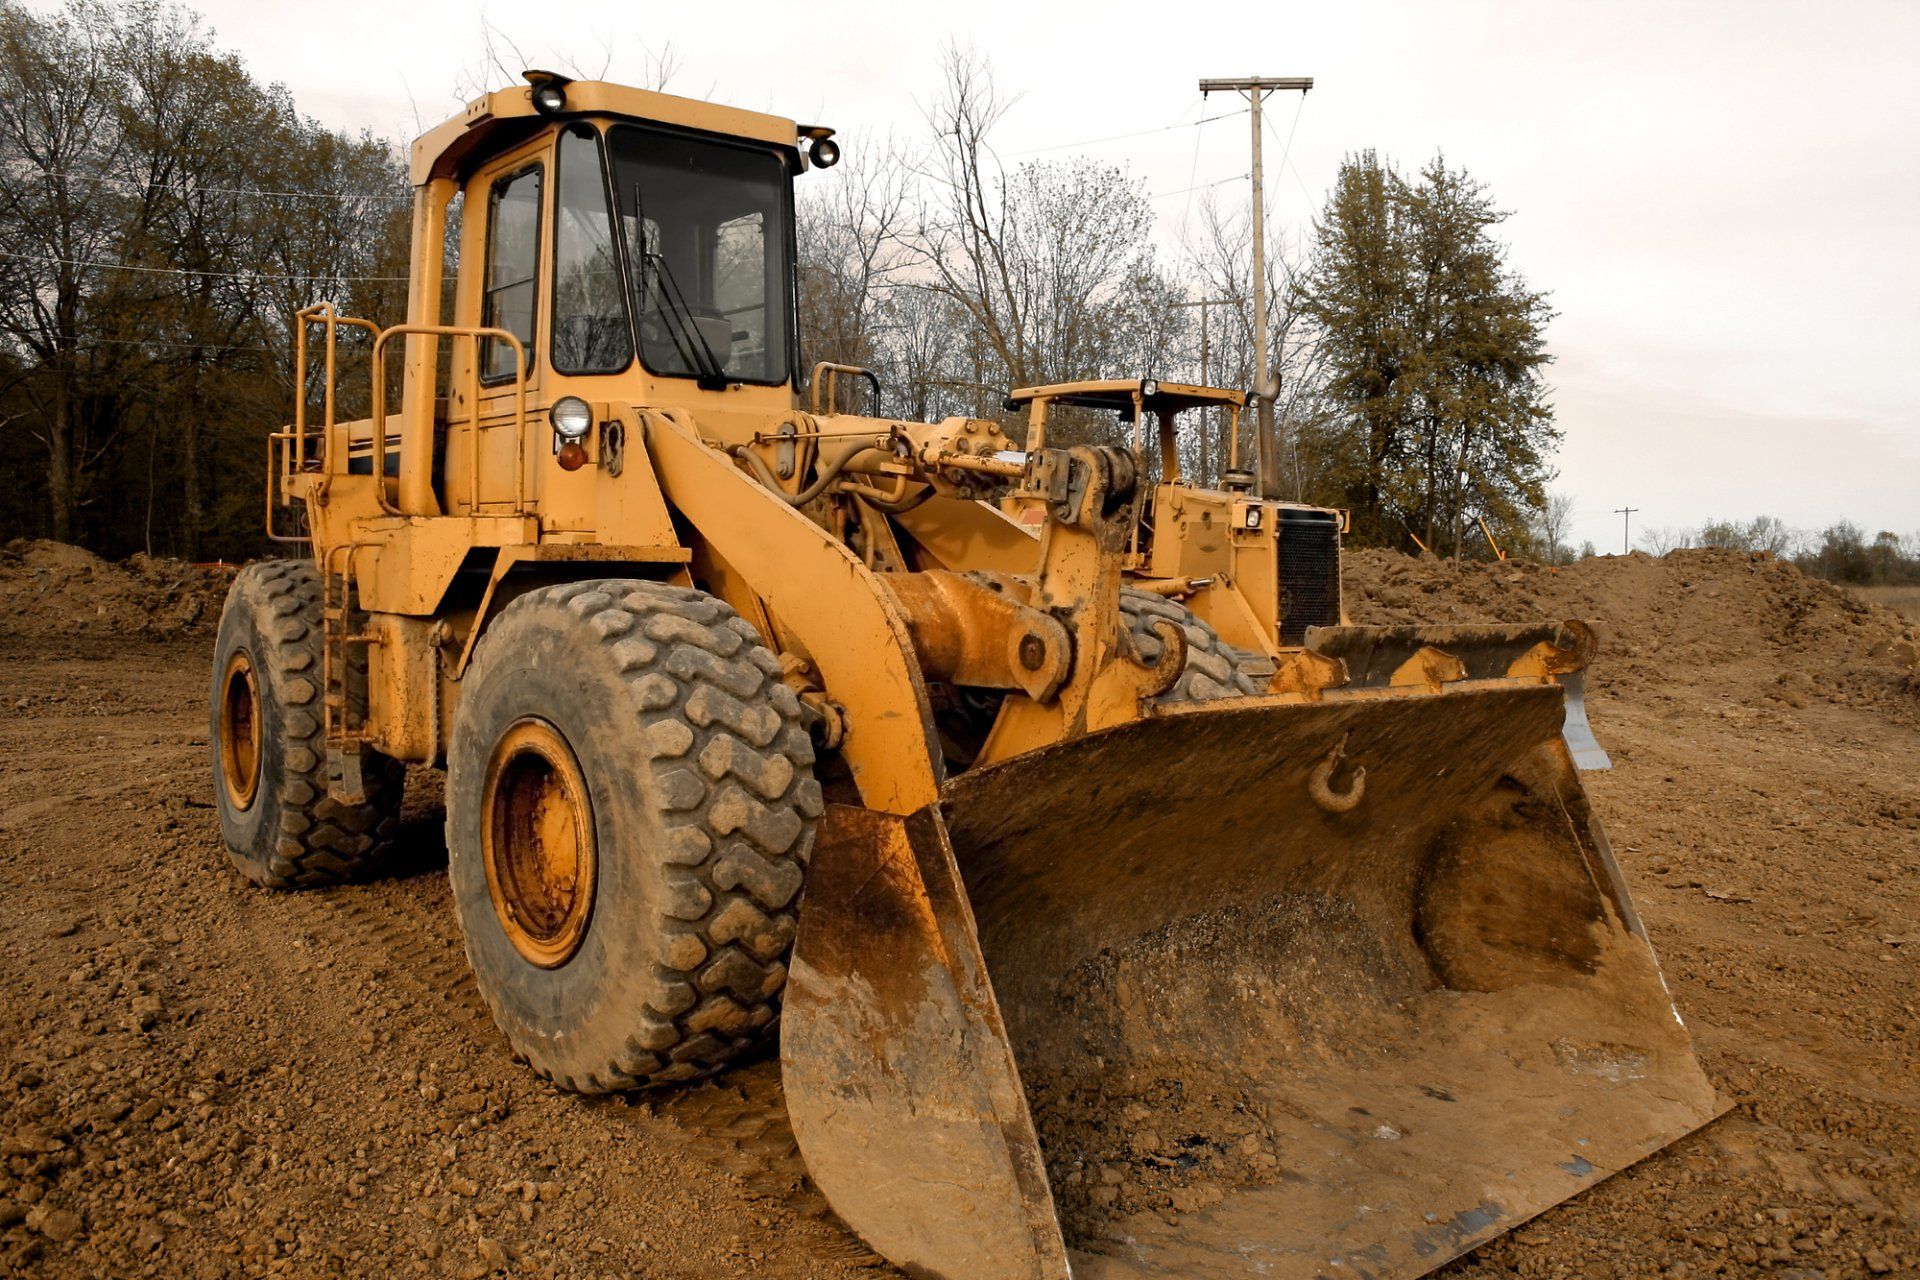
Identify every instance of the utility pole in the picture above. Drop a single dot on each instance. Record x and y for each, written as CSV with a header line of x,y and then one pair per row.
x,y
1255,88
1626,524
1205,305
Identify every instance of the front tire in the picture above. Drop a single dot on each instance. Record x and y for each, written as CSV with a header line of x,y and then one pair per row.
x,y
630,807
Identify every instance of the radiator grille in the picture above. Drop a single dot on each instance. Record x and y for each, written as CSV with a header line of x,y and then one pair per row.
x,y
1309,562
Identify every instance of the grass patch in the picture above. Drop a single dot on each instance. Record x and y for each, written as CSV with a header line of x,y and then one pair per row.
x,y
1904,600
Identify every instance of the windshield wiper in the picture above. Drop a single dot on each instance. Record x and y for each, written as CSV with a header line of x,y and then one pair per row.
x,y
693,343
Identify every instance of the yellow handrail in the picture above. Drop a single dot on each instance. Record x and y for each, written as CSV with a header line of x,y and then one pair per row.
x,y
519,407
294,456
321,313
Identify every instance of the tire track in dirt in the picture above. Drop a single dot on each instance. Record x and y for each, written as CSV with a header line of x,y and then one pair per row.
x,y
402,930
204,1080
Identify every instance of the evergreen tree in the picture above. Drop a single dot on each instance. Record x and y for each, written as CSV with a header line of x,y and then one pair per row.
x,y
1434,350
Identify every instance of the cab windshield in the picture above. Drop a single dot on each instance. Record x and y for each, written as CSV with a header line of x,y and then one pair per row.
x,y
705,226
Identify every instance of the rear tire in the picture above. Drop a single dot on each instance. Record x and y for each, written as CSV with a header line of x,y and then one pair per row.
x,y
630,807
282,829
1211,671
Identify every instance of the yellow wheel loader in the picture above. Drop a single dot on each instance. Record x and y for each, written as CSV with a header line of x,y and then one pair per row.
x,y
1088,951
1264,574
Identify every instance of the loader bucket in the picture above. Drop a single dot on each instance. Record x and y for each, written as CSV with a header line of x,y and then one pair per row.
x,y
1485,650
1194,997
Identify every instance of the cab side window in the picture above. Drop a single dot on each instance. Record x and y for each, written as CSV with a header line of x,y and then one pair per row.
x,y
509,297
590,333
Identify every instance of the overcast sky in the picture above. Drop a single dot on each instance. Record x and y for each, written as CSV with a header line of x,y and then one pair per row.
x,y
1723,198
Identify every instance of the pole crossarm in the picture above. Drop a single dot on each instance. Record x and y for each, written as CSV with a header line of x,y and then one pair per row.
x,y
1266,84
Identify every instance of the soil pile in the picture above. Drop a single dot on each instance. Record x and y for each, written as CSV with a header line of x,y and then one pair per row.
x,y
1688,616
49,589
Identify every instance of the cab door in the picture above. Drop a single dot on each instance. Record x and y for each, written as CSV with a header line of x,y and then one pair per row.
x,y
500,285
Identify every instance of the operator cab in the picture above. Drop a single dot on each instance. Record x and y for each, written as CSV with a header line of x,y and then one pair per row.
x,y
1281,558
615,246
1133,399
699,269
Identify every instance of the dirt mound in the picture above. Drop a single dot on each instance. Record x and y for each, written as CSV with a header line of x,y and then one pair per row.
x,y
49,589
1691,615
200,1079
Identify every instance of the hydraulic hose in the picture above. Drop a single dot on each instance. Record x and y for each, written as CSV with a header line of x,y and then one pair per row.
x,y
829,471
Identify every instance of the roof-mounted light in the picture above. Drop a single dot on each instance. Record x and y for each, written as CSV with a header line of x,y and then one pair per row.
x,y
549,92
822,151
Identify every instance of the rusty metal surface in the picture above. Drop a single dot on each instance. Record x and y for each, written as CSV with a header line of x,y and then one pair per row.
x,y
1560,650
898,1078
240,730
1256,1034
537,843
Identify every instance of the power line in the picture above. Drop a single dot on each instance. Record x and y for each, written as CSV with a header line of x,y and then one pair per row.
x,y
1286,148
1161,195
1193,171
138,185
189,271
1295,170
1120,137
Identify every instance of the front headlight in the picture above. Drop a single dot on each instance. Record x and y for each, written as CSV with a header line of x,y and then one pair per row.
x,y
572,418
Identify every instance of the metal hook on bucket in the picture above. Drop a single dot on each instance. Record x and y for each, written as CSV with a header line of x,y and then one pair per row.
x,y
1320,782
1164,670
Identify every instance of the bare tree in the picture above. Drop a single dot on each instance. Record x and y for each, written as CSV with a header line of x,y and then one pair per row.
x,y
854,222
1762,533
62,207
1051,265
160,215
1219,258
1667,538
965,229
502,59
1549,527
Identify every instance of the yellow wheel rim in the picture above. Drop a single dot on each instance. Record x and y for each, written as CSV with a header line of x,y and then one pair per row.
x,y
537,843
239,730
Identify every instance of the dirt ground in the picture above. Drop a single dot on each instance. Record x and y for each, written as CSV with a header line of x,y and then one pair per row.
x,y
198,1078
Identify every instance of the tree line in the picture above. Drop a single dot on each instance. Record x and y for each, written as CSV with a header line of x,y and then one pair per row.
x,y
1841,552
1410,354
163,214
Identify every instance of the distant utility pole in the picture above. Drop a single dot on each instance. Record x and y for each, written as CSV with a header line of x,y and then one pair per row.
x,y
1206,305
1255,88
1626,526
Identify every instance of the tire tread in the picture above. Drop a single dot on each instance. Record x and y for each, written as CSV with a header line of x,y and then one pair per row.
x,y
320,841
732,766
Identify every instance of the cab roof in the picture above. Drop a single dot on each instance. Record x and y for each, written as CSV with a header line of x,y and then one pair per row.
x,y
506,115
1117,394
